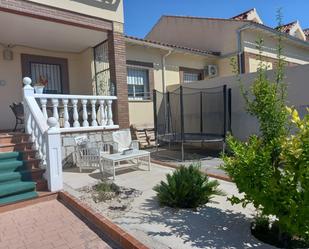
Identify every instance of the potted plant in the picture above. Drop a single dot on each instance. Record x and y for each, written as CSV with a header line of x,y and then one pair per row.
x,y
39,86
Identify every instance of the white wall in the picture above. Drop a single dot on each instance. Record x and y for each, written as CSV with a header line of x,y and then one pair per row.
x,y
243,124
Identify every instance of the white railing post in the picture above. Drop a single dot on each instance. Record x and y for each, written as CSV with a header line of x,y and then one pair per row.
x,y
102,112
44,107
110,120
55,103
85,113
93,113
75,113
53,156
66,113
28,91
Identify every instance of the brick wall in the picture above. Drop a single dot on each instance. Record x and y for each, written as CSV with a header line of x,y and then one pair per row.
x,y
118,73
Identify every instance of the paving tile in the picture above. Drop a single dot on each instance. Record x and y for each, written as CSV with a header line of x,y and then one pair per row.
x,y
48,225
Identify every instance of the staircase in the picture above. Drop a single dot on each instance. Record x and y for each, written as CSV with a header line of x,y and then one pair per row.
x,y
20,175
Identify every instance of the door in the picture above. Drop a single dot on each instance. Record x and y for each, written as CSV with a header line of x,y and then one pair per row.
x,y
50,70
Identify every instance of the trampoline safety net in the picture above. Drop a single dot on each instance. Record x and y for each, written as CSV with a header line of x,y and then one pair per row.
x,y
190,114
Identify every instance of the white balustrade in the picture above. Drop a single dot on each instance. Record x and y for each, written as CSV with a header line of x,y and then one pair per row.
x,y
45,131
84,112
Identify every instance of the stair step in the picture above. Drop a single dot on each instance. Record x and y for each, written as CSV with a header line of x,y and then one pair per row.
x,y
11,166
16,188
26,175
24,155
9,155
18,197
18,165
14,138
19,147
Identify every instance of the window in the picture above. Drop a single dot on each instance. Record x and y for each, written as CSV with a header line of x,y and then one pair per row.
x,y
138,83
104,86
190,77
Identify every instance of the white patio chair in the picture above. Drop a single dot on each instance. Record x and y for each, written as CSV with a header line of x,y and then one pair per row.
x,y
122,141
88,155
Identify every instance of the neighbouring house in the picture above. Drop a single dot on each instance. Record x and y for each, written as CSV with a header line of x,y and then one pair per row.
x,y
184,49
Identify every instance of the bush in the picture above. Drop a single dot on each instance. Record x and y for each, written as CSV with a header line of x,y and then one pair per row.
x,y
272,169
105,191
187,187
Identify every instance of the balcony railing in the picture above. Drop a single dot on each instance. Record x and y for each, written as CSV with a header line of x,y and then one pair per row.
x,y
48,115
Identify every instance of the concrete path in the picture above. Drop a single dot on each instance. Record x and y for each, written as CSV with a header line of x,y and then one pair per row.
x,y
215,226
48,225
218,225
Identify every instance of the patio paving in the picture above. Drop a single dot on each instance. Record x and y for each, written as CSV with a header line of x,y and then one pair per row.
x,y
209,160
215,226
48,225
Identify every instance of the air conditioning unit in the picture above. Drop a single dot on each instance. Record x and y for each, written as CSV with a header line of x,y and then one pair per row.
x,y
211,71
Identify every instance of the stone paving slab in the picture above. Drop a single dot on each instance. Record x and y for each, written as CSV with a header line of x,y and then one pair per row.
x,y
48,225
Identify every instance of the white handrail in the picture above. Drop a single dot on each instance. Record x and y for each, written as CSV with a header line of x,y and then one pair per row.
x,y
63,96
37,114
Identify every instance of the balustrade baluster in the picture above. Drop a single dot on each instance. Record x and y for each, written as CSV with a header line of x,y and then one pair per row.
x,y
85,113
102,112
109,113
66,113
93,113
55,103
44,110
75,113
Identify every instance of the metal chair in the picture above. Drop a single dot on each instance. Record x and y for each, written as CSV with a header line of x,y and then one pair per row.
x,y
18,110
88,155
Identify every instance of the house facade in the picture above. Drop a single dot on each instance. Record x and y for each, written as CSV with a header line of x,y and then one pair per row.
x,y
76,45
207,43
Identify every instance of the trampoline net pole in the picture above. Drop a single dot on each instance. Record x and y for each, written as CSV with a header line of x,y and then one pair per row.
x,y
182,122
155,116
230,109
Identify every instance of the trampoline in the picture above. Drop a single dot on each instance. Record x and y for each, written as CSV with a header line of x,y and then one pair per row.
x,y
192,115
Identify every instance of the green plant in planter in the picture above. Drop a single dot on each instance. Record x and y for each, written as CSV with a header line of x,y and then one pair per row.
x,y
187,187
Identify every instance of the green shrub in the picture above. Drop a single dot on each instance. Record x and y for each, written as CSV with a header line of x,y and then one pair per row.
x,y
271,169
187,187
105,191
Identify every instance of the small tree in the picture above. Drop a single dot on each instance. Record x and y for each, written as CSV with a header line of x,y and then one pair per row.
x,y
271,169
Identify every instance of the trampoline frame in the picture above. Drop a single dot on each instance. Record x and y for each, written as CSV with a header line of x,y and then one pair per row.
x,y
227,110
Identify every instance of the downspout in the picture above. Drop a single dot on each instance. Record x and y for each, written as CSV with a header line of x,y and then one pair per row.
x,y
164,86
239,45
164,69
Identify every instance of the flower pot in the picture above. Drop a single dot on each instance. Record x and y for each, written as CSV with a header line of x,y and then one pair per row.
x,y
39,89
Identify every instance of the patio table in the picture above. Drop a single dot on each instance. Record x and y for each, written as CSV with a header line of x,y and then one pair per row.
x,y
113,161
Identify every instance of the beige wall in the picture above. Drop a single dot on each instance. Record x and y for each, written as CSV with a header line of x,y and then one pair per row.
x,y
141,113
80,78
292,53
105,13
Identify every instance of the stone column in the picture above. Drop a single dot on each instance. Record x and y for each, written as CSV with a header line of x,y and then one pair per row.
x,y
118,74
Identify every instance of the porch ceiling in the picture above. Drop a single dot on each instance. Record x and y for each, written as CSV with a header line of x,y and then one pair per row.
x,y
32,32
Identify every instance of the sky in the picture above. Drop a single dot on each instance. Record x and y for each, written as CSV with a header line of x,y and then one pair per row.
x,y
141,15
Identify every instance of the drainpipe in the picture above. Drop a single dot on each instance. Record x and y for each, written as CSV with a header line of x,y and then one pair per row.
x,y
239,44
164,69
164,85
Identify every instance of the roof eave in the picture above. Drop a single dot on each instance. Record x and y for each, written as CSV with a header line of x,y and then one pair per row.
x,y
167,48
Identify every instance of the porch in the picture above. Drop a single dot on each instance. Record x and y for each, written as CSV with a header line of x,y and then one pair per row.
x,y
81,56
